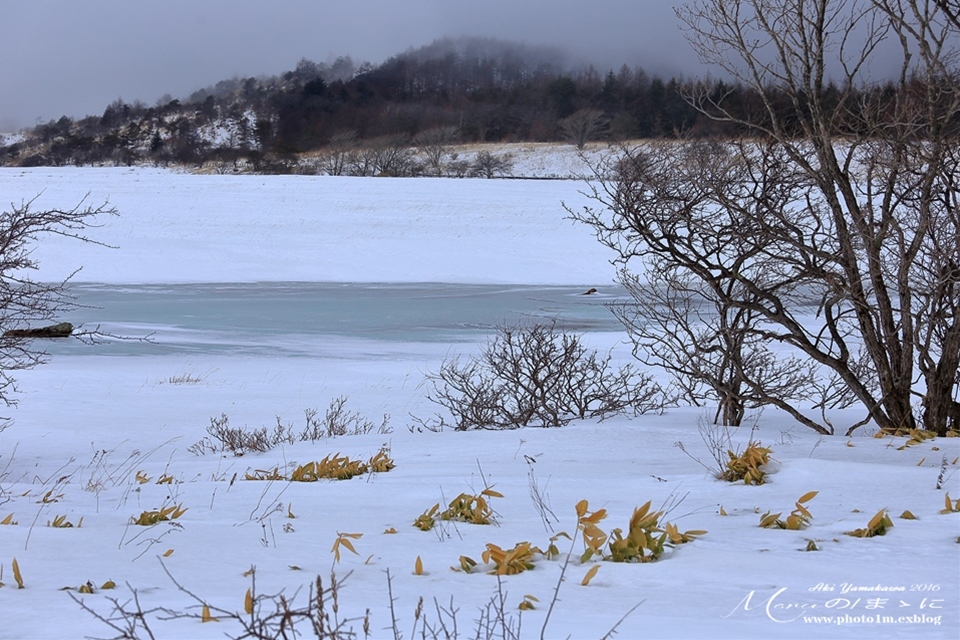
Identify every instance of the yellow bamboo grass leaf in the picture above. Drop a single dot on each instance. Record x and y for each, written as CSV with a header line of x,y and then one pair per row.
x,y
922,460
343,540
552,550
951,507
467,564
491,493
906,515
590,574
168,553
425,521
205,615
877,526
248,602
8,520
109,584
527,604
768,519
48,497
802,512
722,512
142,477
148,518
807,497
85,588
17,575
582,507
596,516
508,562
262,474
389,531
290,511
381,462
418,567
593,537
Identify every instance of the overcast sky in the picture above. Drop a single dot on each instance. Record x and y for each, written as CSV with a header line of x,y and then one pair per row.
x,y
73,57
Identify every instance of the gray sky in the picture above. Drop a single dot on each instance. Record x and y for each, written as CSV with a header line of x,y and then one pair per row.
x,y
74,57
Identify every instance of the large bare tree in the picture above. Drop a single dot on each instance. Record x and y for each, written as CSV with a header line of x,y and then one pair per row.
x,y
835,220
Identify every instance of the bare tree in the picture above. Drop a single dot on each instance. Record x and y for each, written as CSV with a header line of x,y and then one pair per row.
x,y
951,9
583,126
24,301
713,351
691,313
388,155
838,218
489,165
435,144
337,156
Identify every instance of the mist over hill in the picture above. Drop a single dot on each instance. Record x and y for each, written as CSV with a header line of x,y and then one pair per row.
x,y
367,119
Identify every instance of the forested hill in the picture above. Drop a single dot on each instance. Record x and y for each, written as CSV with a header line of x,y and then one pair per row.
x,y
466,90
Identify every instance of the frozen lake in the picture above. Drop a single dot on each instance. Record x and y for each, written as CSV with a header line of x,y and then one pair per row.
x,y
311,319
260,351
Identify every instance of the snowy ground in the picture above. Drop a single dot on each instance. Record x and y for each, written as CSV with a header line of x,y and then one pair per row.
x,y
88,424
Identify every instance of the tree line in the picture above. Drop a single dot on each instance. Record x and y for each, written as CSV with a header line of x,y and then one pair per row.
x,y
481,90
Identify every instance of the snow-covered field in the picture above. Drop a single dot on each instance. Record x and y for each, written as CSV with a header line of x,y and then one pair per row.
x,y
91,421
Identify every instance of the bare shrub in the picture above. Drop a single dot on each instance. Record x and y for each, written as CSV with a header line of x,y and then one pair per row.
x,y
339,422
269,616
538,375
241,440
265,616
